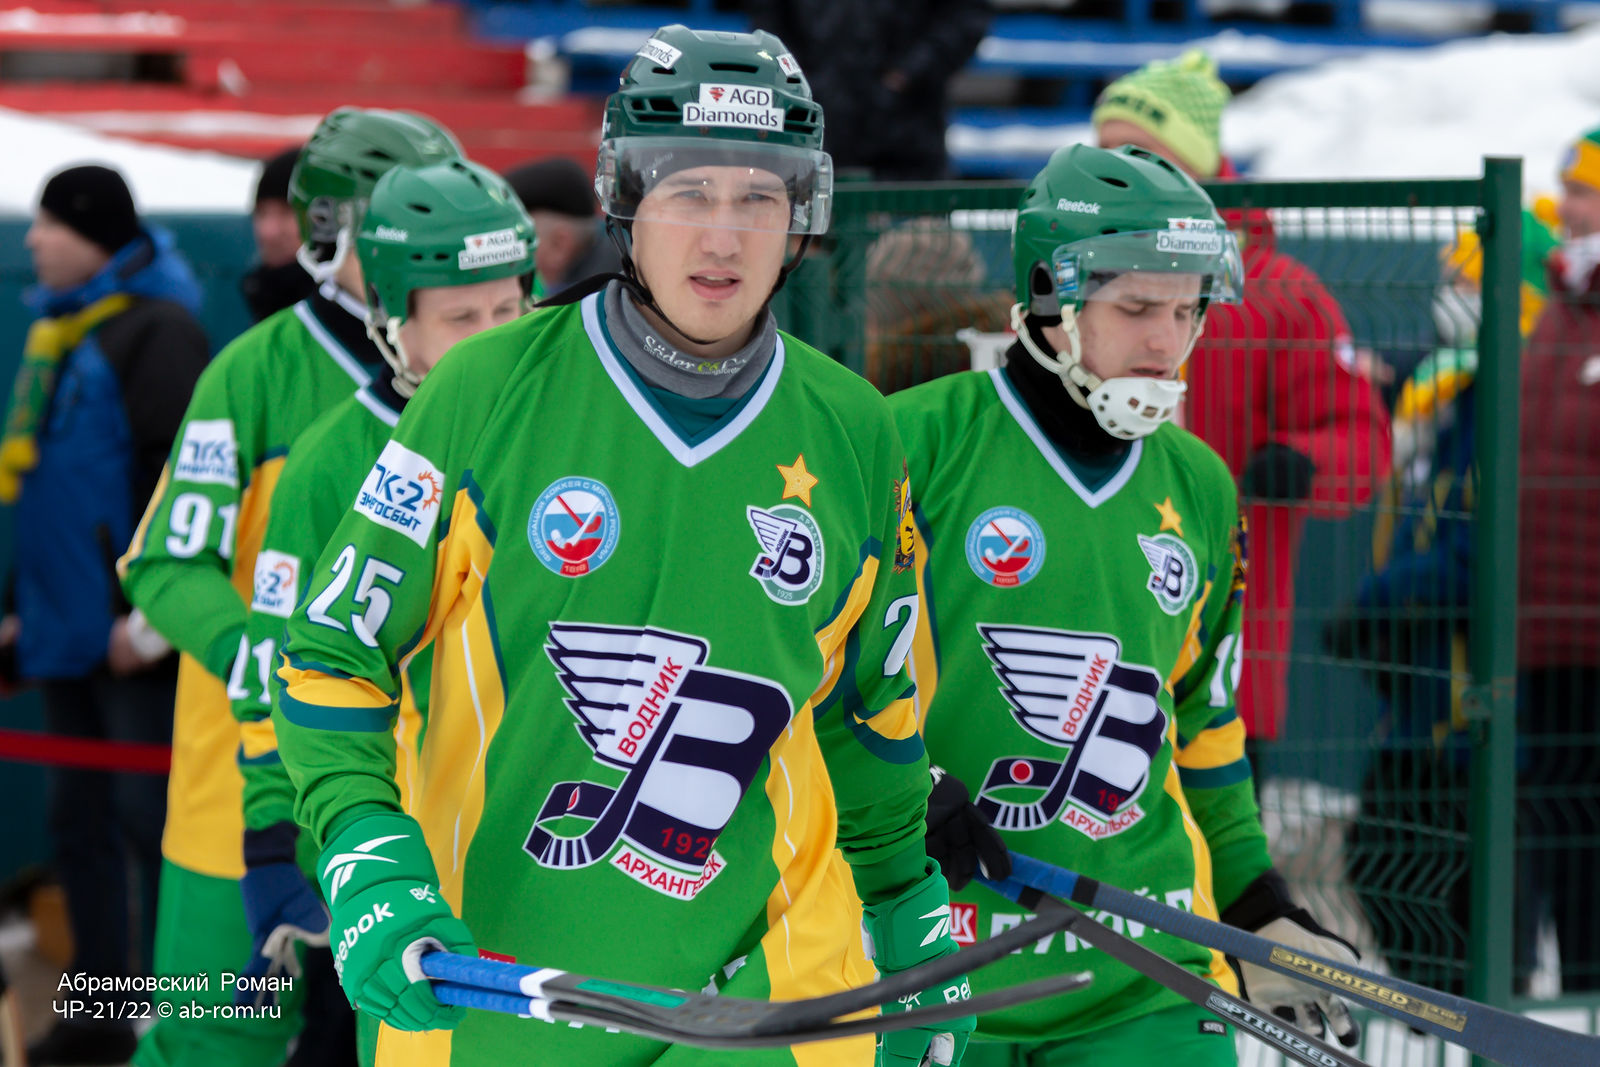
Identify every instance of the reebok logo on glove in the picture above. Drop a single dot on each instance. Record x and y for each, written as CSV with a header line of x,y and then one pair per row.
x,y
352,934
346,863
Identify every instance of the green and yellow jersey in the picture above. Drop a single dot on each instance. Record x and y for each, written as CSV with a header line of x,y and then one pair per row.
x,y
317,482
191,564
669,698
1076,668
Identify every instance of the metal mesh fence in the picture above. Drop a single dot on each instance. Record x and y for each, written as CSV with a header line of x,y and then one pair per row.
x,y
1397,764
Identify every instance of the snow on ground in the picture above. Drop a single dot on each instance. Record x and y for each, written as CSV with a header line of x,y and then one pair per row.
x,y
164,180
1428,113
1394,113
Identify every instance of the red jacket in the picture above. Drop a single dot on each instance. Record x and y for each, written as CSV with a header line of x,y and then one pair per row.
x,y
1559,510
1277,368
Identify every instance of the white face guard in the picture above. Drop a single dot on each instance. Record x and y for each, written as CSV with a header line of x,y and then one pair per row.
x,y
325,270
1126,408
386,337
324,215
1132,407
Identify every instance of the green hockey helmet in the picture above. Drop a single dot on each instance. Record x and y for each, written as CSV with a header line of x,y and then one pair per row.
x,y
1092,214
347,153
1090,217
696,98
442,224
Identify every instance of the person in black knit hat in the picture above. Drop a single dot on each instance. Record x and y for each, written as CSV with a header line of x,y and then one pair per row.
x,y
559,196
277,280
95,202
106,373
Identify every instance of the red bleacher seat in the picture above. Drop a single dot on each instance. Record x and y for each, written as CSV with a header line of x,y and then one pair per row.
x,y
247,76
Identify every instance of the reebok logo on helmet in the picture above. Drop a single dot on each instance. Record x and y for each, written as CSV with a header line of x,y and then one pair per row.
x,y
1082,207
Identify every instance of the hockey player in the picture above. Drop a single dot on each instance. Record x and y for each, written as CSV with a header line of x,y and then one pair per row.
x,y
190,566
426,289
1084,572
653,544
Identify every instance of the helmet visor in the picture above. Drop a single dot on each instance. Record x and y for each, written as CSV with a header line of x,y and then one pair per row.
x,y
1199,258
728,184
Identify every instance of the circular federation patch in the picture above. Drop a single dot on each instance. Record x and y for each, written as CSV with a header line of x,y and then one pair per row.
x,y
574,526
1005,546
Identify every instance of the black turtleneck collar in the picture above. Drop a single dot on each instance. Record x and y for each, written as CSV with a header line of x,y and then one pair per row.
x,y
382,387
349,330
1069,425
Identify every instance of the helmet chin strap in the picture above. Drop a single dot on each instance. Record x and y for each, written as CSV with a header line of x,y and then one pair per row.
x,y
1127,408
387,339
325,270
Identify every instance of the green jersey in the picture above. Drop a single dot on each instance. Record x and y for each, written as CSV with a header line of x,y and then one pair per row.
x,y
669,683
192,559
318,481
1075,639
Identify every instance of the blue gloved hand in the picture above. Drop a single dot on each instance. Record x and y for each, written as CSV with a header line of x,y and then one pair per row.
x,y
282,908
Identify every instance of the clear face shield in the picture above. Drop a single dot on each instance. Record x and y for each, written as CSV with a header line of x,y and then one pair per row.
x,y
1194,259
1191,262
736,185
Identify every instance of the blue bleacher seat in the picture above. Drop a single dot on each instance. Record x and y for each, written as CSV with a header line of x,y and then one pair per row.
x,y
1063,58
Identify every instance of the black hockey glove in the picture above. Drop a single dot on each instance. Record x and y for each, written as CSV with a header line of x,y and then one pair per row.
x,y
1265,908
1277,472
959,836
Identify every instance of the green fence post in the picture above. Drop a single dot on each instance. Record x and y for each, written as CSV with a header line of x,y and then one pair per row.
x,y
846,313
1491,702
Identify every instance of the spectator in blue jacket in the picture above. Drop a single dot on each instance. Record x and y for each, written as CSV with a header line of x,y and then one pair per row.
x,y
106,374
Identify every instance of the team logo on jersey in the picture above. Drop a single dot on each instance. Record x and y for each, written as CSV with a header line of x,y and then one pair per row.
x,y
1005,546
402,492
687,738
574,526
209,454
277,579
789,565
1071,690
1174,573
905,528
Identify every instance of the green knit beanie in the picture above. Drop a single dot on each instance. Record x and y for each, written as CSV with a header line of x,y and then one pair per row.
x,y
1178,101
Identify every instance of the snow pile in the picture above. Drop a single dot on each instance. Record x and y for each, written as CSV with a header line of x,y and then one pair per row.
x,y
1432,112
1388,113
164,180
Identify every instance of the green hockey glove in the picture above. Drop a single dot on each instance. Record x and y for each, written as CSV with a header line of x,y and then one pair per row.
x,y
378,879
914,928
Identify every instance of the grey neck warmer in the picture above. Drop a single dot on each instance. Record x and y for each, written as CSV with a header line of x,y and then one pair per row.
x,y
665,367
